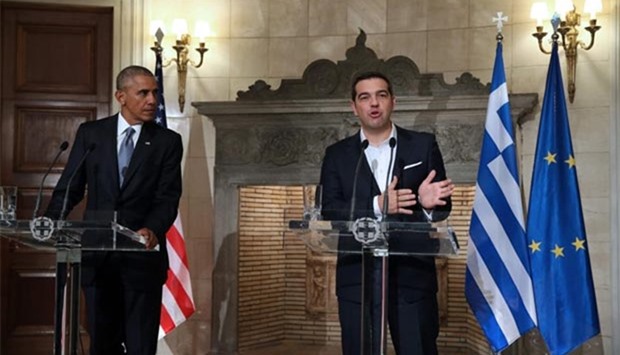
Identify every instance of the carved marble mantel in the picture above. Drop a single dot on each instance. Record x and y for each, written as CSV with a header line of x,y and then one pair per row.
x,y
291,136
279,136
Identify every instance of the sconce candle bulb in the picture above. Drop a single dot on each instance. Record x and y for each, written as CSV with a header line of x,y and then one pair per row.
x,y
181,47
538,13
592,7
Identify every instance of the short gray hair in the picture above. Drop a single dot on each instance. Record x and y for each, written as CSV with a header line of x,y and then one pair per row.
x,y
128,73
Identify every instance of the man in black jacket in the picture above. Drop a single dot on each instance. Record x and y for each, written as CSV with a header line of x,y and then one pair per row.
x,y
418,190
133,170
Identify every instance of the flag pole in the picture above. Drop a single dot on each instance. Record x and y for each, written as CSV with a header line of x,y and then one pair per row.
x,y
498,285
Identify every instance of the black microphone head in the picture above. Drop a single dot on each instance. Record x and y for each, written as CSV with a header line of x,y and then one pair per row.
x,y
392,142
365,144
63,146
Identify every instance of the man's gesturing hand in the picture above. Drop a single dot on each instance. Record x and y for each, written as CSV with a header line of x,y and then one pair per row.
x,y
398,200
431,194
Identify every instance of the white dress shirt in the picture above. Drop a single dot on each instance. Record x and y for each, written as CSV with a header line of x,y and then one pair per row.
x,y
378,158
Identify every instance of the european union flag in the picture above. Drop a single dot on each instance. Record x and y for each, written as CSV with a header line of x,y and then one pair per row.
x,y
563,287
498,286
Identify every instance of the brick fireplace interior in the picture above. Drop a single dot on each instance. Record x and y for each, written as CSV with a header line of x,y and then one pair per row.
x,y
287,293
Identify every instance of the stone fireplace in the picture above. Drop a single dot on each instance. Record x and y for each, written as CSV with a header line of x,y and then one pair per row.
x,y
267,288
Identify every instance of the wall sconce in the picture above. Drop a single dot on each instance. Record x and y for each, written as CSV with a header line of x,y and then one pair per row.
x,y
570,20
182,45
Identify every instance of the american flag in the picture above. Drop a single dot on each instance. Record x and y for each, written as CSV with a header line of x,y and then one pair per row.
x,y
177,300
498,285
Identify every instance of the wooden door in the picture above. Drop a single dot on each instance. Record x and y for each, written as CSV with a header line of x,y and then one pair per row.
x,y
55,65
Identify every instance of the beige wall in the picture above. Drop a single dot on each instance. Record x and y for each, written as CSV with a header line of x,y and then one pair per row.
x,y
275,39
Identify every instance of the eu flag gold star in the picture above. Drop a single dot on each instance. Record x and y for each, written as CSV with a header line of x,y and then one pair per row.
x,y
535,246
570,161
578,243
558,251
550,158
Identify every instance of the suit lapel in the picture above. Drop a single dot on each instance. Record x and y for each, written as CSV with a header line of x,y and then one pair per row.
x,y
404,142
107,151
365,178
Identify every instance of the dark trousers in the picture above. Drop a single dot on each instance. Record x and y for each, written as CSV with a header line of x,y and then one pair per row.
x,y
122,319
412,318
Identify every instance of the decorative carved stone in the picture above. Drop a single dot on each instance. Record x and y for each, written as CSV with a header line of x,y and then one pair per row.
x,y
238,146
321,302
441,265
326,79
278,147
460,143
283,147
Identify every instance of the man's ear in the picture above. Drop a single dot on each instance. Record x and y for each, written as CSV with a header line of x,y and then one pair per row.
x,y
353,107
120,97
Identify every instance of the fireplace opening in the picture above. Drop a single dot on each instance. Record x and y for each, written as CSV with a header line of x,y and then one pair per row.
x,y
286,297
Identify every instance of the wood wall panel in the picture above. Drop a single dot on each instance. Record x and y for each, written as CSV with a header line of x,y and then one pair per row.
x,y
56,70
49,52
35,288
41,67
37,130
35,149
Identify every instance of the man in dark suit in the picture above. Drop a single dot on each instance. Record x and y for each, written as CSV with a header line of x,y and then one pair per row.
x,y
133,171
418,190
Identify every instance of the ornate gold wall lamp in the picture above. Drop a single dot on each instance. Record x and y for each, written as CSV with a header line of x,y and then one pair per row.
x,y
182,46
568,29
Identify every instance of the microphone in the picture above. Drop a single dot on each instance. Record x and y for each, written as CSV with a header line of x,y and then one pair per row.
x,y
387,179
63,146
90,148
364,145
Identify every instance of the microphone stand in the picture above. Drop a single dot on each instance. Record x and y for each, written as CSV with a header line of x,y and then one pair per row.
x,y
61,267
376,272
68,253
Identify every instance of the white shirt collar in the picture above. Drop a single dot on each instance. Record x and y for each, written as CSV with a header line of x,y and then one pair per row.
x,y
386,141
122,126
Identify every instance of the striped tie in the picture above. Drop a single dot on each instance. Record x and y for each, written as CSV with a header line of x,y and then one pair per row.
x,y
124,154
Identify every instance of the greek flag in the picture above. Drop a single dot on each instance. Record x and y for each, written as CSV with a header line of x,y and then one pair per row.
x,y
498,286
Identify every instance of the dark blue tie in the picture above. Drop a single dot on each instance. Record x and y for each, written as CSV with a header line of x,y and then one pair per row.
x,y
124,154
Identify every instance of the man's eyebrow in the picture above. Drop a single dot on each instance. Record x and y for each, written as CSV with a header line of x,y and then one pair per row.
x,y
381,91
